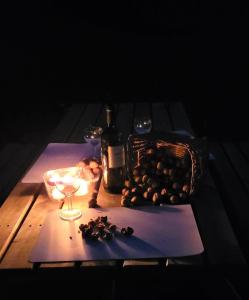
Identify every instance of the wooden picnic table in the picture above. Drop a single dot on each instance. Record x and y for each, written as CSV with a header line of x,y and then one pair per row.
x,y
24,210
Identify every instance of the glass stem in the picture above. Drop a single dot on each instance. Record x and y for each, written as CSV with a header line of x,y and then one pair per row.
x,y
70,206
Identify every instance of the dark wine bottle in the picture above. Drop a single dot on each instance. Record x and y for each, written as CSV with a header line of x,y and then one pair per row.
x,y
112,154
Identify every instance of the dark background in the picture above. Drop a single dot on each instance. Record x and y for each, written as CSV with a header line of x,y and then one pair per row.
x,y
54,53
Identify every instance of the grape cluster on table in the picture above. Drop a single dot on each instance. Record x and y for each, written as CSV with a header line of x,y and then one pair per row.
x,y
158,178
101,228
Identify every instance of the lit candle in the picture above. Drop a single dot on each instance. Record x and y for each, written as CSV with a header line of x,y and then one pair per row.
x,y
83,189
54,192
57,195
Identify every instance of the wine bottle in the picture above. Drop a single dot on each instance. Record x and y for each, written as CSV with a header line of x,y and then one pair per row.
x,y
112,154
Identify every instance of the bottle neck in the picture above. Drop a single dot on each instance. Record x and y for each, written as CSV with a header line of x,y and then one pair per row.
x,y
110,116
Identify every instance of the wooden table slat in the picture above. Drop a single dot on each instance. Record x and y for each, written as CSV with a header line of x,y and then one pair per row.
x,y
19,164
101,118
240,164
82,203
125,124
142,109
99,264
22,156
160,116
179,117
131,263
214,225
13,212
23,196
244,147
233,192
170,122
219,240
12,164
88,117
125,119
68,123
94,114
196,260
20,249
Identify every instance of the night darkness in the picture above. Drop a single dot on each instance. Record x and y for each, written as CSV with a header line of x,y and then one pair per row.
x,y
57,52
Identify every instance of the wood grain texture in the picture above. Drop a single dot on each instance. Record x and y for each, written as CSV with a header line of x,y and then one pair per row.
x,y
106,199
162,120
160,117
220,243
80,202
20,161
99,264
94,114
141,110
234,195
196,260
67,124
125,119
101,118
14,211
209,211
23,196
179,117
16,158
131,263
18,253
218,236
89,117
244,147
239,163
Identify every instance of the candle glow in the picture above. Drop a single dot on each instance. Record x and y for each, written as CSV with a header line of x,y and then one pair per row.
x,y
83,189
57,195
52,176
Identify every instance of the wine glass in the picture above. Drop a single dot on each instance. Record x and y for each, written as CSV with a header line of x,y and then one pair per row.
x,y
92,135
143,124
68,182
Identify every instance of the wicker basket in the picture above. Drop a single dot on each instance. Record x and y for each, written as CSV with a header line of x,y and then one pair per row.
x,y
174,145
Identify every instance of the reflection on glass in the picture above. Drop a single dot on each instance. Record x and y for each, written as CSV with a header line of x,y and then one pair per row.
x,y
92,135
142,125
68,182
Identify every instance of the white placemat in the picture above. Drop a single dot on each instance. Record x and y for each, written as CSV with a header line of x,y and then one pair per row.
x,y
168,231
55,156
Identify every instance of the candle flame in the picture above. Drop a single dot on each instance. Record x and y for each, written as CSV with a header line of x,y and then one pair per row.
x,y
83,189
52,176
57,195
